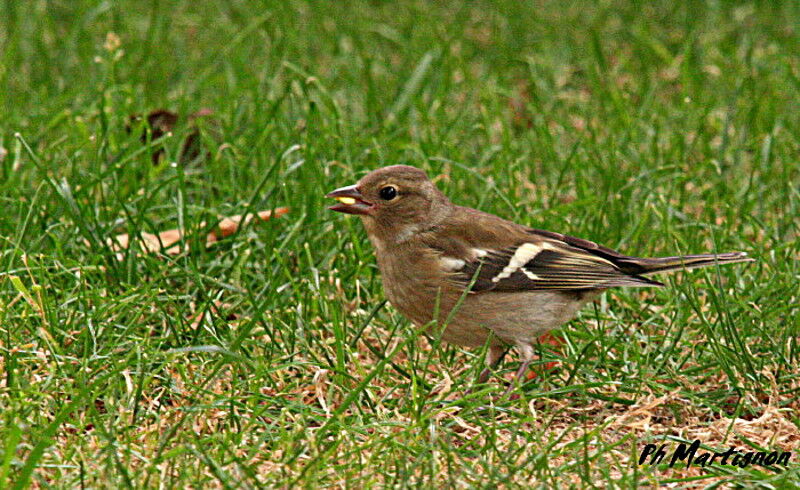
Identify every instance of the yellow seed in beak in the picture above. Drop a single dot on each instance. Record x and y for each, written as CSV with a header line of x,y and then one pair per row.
x,y
346,200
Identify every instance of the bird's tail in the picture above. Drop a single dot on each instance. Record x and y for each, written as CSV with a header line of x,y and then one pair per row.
x,y
665,264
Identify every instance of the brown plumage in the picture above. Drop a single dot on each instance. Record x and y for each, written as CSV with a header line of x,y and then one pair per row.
x,y
514,281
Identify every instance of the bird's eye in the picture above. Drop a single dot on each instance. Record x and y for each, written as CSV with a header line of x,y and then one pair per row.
x,y
388,193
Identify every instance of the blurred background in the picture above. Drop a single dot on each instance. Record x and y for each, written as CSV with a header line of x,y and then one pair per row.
x,y
572,98
270,359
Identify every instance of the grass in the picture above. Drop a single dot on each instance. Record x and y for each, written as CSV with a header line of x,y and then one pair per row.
x,y
270,358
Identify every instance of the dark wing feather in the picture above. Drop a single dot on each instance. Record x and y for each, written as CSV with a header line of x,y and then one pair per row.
x,y
549,264
638,265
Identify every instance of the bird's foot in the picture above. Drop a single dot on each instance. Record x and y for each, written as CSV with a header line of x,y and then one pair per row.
x,y
548,339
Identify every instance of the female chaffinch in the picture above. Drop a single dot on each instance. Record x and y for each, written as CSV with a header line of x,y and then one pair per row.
x,y
482,273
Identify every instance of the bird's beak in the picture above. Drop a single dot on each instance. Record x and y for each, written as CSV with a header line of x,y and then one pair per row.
x,y
350,201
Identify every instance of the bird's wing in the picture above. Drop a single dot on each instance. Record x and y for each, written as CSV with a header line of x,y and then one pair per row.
x,y
544,261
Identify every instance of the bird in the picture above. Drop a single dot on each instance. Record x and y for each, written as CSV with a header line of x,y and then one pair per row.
x,y
481,278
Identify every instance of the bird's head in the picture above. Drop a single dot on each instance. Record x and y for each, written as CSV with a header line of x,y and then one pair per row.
x,y
394,202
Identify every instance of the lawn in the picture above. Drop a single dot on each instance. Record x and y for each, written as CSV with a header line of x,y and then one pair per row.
x,y
269,358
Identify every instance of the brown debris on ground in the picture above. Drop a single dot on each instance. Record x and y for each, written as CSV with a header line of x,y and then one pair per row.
x,y
162,122
168,240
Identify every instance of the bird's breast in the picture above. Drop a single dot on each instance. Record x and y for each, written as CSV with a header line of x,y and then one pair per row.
x,y
415,283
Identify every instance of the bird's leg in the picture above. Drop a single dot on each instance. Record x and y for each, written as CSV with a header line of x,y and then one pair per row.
x,y
493,358
526,352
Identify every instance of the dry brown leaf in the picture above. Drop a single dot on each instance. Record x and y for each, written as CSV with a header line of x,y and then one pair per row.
x,y
151,243
162,122
202,121
228,226
166,240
